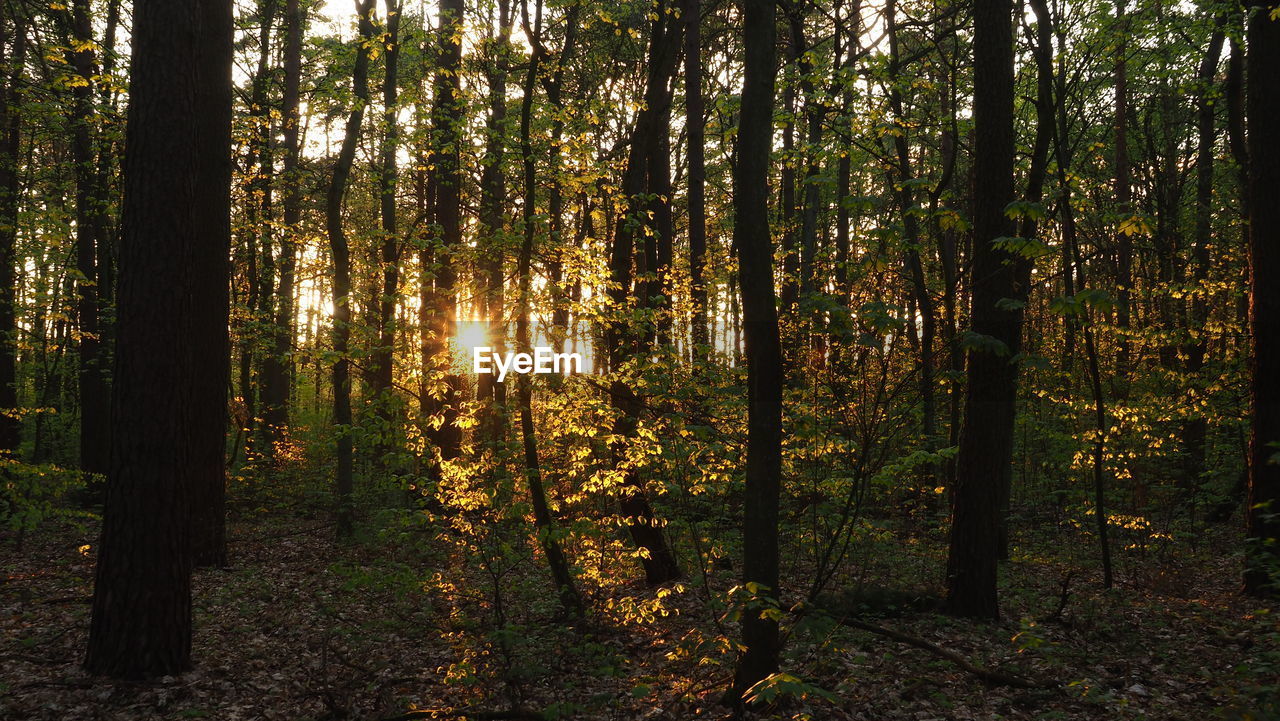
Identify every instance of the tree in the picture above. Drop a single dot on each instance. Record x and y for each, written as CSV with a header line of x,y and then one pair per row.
x,y
622,341
694,122
754,245
13,44
1263,113
141,622
986,440
341,259
91,232
211,254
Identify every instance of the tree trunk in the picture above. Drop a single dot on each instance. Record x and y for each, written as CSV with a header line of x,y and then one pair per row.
x,y
341,259
697,204
533,470
276,376
447,119
492,208
383,357
11,128
1194,429
623,341
90,227
211,279
1262,104
986,441
173,219
764,350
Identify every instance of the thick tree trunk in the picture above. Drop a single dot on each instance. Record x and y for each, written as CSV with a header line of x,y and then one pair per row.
x,y
1263,112
141,623
211,279
764,350
986,441
341,259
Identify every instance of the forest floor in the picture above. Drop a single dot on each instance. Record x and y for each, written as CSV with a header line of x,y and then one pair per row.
x,y
301,627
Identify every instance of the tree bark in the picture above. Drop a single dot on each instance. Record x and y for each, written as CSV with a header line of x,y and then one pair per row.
x,y
697,204
341,259
986,440
764,350
1262,103
141,622
276,376
10,189
91,229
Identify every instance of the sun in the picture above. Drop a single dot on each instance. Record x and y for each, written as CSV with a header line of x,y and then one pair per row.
x,y
470,335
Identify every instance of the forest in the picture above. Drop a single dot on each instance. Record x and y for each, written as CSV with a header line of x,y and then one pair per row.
x,y
542,360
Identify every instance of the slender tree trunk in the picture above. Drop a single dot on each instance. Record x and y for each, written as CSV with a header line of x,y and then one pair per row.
x,y
173,219
383,358
764,350
1194,429
90,225
341,259
986,441
14,42
696,152
542,520
1124,200
447,119
623,341
915,266
276,376
492,209
1262,104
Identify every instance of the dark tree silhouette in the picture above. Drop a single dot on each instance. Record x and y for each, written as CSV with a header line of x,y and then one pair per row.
x,y
342,271
1263,112
141,624
764,350
986,441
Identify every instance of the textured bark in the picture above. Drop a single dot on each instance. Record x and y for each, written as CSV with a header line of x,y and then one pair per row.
x,y
764,351
341,260
986,440
210,344
1262,103
141,623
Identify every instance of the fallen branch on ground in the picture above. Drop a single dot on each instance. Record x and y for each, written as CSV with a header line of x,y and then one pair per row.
x,y
472,715
998,678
